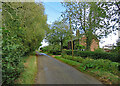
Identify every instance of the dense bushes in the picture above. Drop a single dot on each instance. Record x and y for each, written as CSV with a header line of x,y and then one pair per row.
x,y
12,66
52,49
95,55
23,28
11,69
106,70
100,64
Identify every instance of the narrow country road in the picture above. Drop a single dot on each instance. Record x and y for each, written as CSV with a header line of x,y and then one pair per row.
x,y
52,71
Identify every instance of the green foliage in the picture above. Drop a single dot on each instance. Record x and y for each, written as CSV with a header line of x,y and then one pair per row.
x,y
58,34
106,76
79,47
70,62
29,74
101,68
99,50
33,53
117,49
90,14
24,26
100,64
11,69
95,55
67,57
77,59
52,49
63,53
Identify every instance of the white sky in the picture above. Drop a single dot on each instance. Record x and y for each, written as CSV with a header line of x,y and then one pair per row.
x,y
44,43
110,40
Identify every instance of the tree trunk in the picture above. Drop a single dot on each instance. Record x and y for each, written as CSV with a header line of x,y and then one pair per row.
x,y
88,44
89,33
71,35
61,45
72,46
88,40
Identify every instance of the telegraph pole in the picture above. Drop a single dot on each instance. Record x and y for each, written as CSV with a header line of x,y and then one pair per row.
x,y
71,35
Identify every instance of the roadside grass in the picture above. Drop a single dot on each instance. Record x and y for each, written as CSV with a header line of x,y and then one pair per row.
x,y
67,61
30,71
106,77
84,65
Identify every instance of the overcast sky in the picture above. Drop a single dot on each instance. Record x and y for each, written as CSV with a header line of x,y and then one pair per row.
x,y
53,11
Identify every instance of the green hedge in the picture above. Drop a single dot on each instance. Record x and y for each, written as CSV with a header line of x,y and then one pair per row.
x,y
95,55
19,38
98,64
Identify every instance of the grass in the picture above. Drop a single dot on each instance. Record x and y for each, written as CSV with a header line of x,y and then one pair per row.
x,y
29,74
67,61
104,76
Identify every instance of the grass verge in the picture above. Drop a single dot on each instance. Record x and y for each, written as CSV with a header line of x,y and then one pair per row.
x,y
105,76
30,71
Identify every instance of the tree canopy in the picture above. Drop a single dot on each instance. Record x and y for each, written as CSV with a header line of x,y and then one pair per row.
x,y
91,18
24,26
58,34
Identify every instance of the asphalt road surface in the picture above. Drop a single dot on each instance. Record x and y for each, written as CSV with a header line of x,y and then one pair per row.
x,y
52,71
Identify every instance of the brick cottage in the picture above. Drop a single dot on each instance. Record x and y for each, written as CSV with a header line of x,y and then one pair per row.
x,y
82,41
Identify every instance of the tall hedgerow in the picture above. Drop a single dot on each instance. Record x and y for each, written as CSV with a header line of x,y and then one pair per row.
x,y
23,28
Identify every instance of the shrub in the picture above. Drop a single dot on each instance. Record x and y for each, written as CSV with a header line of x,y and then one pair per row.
x,y
19,38
95,55
78,59
104,69
68,61
12,64
52,49
44,48
78,46
56,52
63,53
68,57
99,50
99,64
11,69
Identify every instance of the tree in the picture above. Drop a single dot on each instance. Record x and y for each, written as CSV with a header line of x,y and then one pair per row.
x,y
58,34
113,11
90,17
23,26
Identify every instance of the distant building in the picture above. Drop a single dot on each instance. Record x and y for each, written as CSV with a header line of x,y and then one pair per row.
x,y
82,41
109,47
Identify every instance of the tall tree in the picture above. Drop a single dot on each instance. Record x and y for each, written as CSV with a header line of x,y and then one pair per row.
x,y
23,28
58,33
90,17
